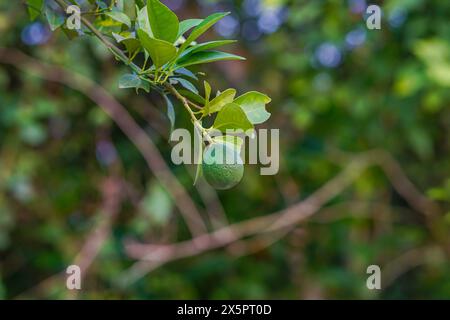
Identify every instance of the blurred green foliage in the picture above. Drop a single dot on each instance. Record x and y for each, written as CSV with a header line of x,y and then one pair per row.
x,y
334,84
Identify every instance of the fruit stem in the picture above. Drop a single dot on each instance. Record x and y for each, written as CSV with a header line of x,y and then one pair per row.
x,y
194,119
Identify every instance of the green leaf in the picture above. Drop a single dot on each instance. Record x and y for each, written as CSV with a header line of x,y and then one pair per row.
x,y
120,17
186,25
142,20
133,81
207,97
186,84
34,8
234,142
170,112
206,57
207,92
164,23
192,96
119,37
160,51
220,101
254,105
206,46
186,72
132,45
202,28
54,18
232,117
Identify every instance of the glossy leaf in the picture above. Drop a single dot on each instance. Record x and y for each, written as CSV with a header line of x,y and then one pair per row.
x,y
207,91
120,17
207,97
170,112
142,20
207,46
132,45
163,22
160,51
221,100
186,25
192,96
133,81
232,117
118,37
186,72
206,57
202,28
254,105
34,8
55,19
187,85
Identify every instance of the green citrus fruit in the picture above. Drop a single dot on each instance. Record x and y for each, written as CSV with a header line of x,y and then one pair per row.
x,y
222,166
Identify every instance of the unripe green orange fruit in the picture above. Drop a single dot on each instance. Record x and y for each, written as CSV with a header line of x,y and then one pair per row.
x,y
222,166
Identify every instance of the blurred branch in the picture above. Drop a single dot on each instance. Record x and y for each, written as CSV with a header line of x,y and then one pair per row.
x,y
112,190
289,217
154,256
112,196
238,249
124,121
404,187
158,255
257,243
402,264
354,209
398,178
214,209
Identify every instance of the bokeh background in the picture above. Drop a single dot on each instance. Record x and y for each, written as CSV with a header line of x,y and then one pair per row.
x,y
338,90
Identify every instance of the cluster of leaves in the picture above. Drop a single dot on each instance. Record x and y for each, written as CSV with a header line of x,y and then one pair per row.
x,y
156,32
150,28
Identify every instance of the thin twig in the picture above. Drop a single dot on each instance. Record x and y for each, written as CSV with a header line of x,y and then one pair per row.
x,y
119,53
402,264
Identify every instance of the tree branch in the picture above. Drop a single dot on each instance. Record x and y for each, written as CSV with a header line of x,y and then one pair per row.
x,y
125,122
158,255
